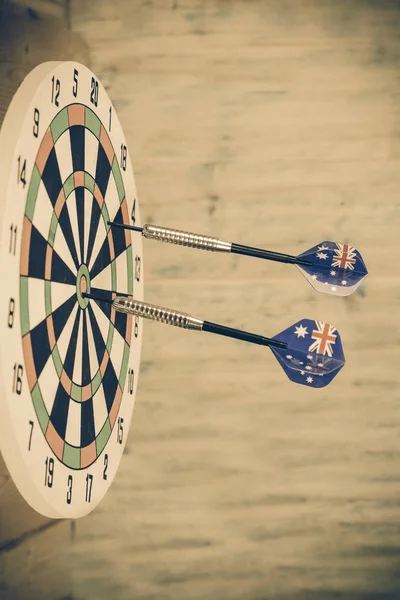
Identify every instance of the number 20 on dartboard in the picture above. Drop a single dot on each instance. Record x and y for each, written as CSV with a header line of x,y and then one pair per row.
x,y
68,364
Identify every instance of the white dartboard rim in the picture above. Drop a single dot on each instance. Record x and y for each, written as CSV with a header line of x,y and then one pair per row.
x,y
11,131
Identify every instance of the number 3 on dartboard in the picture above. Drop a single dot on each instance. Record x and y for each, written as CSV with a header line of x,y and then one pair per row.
x,y
69,490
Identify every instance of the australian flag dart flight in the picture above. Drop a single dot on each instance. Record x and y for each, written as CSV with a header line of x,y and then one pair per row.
x,y
335,268
314,353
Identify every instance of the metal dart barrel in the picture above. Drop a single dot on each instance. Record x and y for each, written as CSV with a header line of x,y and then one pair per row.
x,y
185,238
157,313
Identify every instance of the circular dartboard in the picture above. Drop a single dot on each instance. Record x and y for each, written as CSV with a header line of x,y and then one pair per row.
x,y
69,364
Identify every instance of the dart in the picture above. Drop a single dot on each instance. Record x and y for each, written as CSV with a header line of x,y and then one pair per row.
x,y
330,267
70,357
310,352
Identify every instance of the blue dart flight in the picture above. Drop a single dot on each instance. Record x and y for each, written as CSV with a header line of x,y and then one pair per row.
x,y
334,268
314,353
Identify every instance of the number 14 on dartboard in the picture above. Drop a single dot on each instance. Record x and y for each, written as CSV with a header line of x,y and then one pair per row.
x,y
69,364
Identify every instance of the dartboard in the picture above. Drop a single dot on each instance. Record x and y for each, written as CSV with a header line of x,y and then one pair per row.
x,y
69,364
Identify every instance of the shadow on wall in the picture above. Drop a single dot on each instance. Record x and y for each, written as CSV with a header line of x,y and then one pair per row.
x,y
29,37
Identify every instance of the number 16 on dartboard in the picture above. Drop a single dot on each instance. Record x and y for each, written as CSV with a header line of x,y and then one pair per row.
x,y
69,364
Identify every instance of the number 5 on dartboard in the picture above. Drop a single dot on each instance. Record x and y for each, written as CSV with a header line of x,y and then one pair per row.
x,y
64,173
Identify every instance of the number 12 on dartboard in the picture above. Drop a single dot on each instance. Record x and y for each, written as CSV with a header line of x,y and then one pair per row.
x,y
69,368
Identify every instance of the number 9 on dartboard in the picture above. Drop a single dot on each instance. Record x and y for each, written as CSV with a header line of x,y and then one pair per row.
x,y
69,366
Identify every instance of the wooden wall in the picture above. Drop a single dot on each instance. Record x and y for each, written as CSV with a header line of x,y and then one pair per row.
x,y
271,123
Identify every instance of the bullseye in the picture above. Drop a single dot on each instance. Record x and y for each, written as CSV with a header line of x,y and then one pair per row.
x,y
82,285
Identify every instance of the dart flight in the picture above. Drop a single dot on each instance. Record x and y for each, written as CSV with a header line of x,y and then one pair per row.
x,y
330,267
310,352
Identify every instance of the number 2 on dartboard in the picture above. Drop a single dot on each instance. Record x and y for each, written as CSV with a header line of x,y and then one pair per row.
x,y
105,467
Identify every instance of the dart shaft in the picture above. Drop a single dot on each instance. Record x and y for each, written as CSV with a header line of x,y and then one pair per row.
x,y
268,255
238,334
185,321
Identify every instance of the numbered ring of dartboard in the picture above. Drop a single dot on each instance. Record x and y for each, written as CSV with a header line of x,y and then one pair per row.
x,y
69,364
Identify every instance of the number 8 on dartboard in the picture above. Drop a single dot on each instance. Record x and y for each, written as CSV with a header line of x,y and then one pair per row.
x,y
69,365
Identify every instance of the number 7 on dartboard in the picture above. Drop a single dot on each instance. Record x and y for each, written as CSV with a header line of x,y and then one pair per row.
x,y
69,366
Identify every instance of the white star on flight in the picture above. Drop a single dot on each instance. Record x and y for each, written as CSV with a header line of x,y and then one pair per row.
x,y
301,331
302,373
309,356
333,272
322,255
314,276
344,282
333,288
320,365
289,356
309,379
308,368
323,247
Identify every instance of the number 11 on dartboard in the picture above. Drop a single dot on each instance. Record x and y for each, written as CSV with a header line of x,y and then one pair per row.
x,y
67,386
